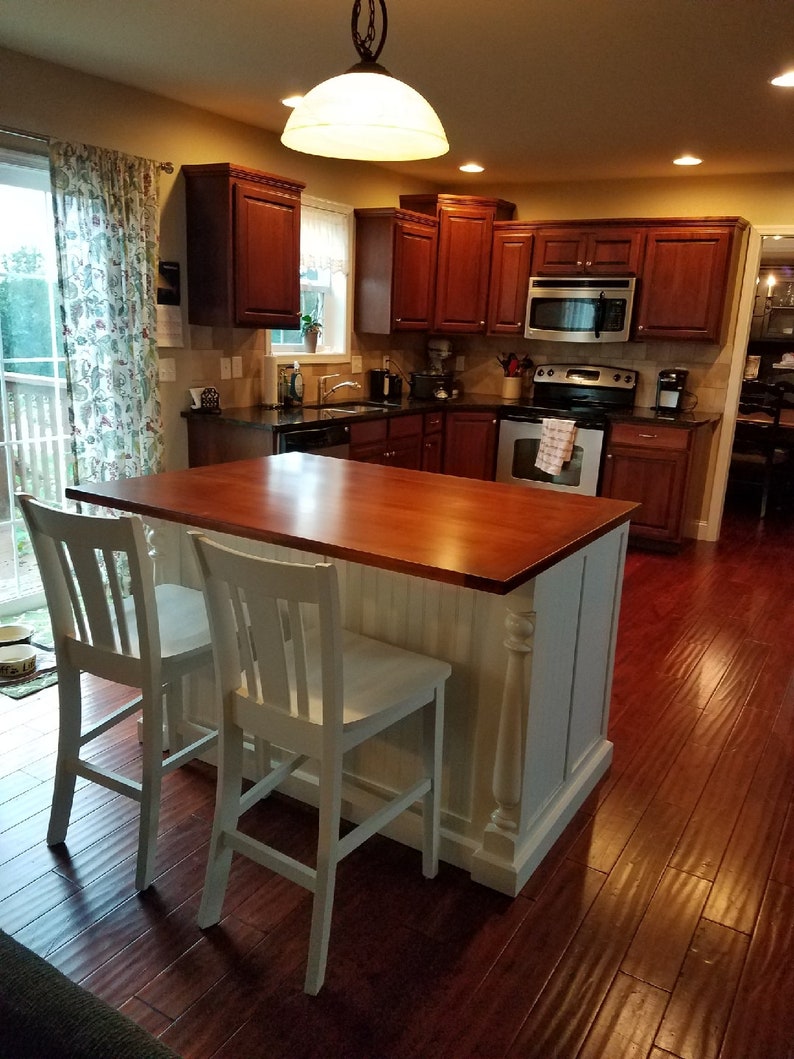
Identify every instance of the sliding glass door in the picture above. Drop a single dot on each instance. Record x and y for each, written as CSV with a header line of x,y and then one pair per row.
x,y
34,425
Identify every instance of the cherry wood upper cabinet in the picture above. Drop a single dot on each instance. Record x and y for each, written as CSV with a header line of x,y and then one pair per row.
x,y
395,270
507,294
597,250
243,247
464,256
685,278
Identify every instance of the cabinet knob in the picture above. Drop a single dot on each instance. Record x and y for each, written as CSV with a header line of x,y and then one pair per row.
x,y
640,327
578,262
588,263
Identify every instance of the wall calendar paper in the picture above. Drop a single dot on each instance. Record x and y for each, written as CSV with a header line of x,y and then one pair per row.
x,y
169,326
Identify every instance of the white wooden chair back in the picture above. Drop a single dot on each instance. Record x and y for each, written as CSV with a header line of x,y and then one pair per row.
x,y
98,580
268,630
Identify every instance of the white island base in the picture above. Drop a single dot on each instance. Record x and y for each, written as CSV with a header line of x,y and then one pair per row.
x,y
526,707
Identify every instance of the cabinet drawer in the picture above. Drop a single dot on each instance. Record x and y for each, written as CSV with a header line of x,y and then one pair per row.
x,y
434,422
649,436
405,426
369,430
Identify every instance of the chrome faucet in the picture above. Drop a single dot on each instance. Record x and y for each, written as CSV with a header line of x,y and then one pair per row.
x,y
323,394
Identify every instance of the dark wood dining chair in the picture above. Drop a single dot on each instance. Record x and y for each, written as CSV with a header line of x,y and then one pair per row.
x,y
760,455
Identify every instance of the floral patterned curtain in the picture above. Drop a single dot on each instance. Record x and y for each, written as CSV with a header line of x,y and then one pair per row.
x,y
106,231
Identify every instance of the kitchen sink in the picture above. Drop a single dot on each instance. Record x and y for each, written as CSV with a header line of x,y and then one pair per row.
x,y
354,407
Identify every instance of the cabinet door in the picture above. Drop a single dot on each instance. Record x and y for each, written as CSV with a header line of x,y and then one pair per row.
x,y
266,257
414,276
613,251
464,254
507,294
684,282
470,444
654,478
559,251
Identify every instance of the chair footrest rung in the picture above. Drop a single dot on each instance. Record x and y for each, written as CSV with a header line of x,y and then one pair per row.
x,y
353,839
271,858
114,781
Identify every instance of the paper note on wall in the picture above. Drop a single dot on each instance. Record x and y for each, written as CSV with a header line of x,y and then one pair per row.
x,y
169,326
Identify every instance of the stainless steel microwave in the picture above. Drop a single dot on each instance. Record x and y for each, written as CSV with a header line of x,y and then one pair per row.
x,y
580,309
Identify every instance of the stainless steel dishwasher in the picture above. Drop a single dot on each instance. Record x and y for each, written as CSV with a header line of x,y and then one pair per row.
x,y
331,439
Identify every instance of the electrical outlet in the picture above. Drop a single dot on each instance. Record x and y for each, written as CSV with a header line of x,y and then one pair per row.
x,y
356,365
167,369
237,367
226,368
460,363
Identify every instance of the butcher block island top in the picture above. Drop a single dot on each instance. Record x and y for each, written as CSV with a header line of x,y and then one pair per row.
x,y
481,535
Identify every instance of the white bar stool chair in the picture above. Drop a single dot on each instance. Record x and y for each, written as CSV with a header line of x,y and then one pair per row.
x,y
147,637
314,690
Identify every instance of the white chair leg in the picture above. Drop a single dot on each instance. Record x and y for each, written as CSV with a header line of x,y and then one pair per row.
x,y
174,714
432,732
69,729
325,884
151,784
227,813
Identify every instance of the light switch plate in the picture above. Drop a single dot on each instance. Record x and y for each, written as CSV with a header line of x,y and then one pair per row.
x,y
356,365
167,369
460,363
237,367
226,368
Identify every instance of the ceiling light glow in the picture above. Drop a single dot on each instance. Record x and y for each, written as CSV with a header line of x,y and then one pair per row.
x,y
365,113
291,101
687,159
785,80
471,167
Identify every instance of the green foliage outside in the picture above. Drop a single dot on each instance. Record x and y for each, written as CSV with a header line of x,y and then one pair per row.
x,y
25,326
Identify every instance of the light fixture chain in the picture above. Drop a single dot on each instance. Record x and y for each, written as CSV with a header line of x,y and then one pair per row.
x,y
363,45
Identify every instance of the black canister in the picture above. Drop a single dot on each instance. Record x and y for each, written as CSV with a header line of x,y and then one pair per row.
x,y
379,380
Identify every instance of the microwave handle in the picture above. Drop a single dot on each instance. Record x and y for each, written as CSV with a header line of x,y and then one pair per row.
x,y
600,313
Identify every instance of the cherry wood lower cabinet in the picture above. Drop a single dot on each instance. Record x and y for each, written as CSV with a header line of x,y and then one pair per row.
x,y
470,444
211,440
433,442
650,464
396,442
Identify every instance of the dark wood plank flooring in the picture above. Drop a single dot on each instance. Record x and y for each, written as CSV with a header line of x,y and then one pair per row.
x,y
661,924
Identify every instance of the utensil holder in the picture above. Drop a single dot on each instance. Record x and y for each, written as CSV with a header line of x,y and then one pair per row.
x,y
511,387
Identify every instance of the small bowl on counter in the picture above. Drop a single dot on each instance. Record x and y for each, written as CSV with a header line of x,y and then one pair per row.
x,y
18,660
14,634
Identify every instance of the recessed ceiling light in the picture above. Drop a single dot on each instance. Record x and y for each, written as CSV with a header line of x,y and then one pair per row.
x,y
471,167
785,80
291,101
687,159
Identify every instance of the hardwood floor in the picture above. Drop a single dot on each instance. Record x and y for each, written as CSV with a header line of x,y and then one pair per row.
x,y
661,924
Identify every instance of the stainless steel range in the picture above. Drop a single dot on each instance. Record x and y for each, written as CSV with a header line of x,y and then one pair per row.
x,y
583,394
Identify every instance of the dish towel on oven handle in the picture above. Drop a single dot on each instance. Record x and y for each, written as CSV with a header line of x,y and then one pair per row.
x,y
556,445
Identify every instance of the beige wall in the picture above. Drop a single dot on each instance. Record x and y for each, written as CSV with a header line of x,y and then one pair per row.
x,y
51,100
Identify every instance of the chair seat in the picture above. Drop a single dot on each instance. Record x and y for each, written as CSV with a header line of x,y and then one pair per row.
x,y
779,457
377,677
182,619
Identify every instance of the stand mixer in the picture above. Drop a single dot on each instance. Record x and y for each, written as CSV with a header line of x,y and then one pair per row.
x,y
438,349
435,384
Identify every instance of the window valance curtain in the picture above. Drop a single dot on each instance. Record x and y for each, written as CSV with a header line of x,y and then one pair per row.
x,y
324,240
107,231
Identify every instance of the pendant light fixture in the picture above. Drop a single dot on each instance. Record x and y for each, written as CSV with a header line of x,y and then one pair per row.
x,y
366,113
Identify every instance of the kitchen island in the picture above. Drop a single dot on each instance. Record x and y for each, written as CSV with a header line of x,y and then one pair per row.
x,y
519,589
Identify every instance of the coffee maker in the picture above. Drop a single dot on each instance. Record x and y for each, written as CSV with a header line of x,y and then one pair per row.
x,y
670,388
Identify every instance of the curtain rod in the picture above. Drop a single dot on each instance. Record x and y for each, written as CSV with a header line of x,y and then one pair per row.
x,y
167,167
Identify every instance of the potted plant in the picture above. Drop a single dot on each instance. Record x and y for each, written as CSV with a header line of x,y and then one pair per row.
x,y
310,329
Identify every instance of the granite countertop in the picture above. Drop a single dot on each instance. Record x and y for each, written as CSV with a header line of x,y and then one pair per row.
x,y
280,420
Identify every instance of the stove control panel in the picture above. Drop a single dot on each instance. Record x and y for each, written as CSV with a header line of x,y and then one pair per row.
x,y
591,375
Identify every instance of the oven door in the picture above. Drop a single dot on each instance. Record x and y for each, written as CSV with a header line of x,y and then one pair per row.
x,y
518,449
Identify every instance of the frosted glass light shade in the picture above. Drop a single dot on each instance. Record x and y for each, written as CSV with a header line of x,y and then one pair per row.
x,y
365,114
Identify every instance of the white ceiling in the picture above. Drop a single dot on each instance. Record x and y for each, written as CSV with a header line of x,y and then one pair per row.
x,y
535,90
